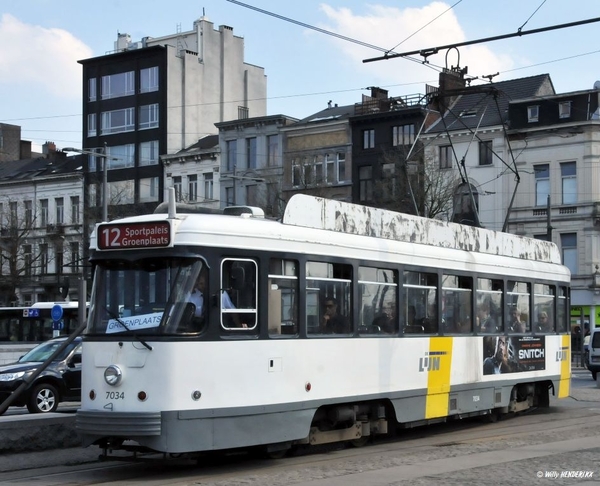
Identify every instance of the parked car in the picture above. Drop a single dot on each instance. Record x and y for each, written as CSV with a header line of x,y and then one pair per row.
x,y
593,354
59,382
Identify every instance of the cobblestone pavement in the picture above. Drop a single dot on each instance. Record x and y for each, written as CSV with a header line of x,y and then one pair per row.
x,y
472,457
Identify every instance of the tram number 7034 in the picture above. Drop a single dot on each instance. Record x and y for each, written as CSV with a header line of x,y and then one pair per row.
x,y
113,395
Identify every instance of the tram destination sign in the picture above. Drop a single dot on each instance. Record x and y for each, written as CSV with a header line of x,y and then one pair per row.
x,y
121,236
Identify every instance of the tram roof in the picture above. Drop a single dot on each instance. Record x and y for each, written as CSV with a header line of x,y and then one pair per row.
x,y
303,211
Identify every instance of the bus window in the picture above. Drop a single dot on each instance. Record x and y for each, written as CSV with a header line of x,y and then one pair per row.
x,y
238,293
377,289
328,288
517,297
457,293
562,310
489,315
420,300
543,305
283,297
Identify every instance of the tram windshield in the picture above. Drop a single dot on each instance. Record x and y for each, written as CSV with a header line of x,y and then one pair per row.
x,y
147,296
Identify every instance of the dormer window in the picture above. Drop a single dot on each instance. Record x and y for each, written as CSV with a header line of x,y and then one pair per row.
x,y
533,113
564,109
468,113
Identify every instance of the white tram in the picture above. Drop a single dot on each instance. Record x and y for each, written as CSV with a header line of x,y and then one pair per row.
x,y
425,312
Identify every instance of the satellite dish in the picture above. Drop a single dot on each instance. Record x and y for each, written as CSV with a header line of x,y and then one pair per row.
x,y
597,85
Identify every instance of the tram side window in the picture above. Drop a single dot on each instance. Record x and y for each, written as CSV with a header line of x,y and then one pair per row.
x,y
420,299
238,293
489,306
517,303
543,305
561,310
457,292
283,297
377,289
328,298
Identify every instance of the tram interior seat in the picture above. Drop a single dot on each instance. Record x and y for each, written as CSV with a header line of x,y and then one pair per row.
x,y
413,329
371,329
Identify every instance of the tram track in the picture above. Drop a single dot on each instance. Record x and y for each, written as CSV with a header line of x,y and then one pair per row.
x,y
439,442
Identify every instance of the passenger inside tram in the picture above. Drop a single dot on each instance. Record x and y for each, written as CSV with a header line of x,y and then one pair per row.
x,y
332,321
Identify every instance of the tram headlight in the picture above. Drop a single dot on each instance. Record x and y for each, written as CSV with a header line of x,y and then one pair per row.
x,y
113,375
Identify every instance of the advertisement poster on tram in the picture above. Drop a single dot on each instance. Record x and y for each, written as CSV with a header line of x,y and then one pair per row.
x,y
514,354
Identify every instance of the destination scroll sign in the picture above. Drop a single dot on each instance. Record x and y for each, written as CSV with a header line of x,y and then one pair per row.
x,y
113,236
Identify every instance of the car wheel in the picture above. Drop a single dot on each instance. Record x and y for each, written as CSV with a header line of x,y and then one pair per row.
x,y
43,399
594,375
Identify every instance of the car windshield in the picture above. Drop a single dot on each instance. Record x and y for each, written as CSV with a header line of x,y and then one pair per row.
x,y
148,296
44,351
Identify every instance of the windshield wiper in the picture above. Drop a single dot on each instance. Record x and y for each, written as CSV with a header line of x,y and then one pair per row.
x,y
120,321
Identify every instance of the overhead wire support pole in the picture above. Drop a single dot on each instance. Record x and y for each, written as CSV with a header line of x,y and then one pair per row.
x,y
519,33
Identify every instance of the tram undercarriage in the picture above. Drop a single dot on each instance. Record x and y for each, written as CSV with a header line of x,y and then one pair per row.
x,y
353,424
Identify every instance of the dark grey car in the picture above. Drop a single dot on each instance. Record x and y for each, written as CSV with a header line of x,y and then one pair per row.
x,y
59,382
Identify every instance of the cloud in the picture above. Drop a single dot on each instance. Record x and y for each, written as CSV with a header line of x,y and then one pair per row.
x,y
400,30
43,58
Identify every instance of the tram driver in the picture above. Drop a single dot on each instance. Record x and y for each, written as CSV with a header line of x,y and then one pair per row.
x,y
197,297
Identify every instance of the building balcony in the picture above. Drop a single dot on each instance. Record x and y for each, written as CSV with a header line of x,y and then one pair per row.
x,y
55,229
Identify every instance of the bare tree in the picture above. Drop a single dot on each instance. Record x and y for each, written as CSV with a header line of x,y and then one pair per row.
x,y
415,186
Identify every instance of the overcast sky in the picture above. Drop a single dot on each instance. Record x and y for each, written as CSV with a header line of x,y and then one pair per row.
x,y
42,40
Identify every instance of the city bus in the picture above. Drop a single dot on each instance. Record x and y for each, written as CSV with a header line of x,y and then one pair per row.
x,y
34,324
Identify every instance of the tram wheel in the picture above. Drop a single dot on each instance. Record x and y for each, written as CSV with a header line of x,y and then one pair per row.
x,y
361,442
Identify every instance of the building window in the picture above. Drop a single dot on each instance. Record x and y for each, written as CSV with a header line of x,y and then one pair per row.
x,y
75,217
192,187
149,79
27,260
308,173
58,259
243,112
14,214
118,121
564,109
43,212
341,167
229,196
43,258
568,243
60,210
149,189
446,157
121,192
117,85
28,214
121,156
272,149
208,186
92,90
178,188
403,135
533,113
251,153
74,246
318,164
148,116
568,172
485,153
368,138
296,174
149,153
231,154
542,184
365,181
91,121
252,195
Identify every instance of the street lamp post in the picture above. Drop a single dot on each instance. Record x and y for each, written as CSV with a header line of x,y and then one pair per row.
x,y
105,158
